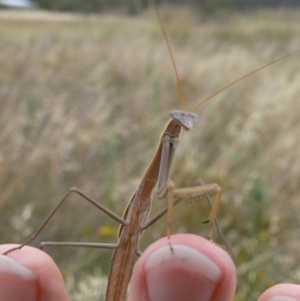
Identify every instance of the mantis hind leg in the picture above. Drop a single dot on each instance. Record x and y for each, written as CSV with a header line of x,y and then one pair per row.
x,y
84,197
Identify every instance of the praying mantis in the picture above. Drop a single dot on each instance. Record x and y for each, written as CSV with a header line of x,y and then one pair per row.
x,y
134,218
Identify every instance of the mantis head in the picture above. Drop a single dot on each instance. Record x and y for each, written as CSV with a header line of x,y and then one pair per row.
x,y
185,119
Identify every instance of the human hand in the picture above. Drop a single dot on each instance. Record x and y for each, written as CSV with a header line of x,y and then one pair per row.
x,y
198,270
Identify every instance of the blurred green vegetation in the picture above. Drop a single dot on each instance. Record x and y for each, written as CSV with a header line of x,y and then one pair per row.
x,y
83,101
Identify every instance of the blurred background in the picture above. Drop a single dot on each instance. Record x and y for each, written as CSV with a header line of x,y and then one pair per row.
x,y
85,94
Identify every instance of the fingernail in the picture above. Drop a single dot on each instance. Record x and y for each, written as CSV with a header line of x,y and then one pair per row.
x,y
282,298
11,267
185,274
16,281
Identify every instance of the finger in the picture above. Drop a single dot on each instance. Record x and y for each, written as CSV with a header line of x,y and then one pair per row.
x,y
198,270
30,274
282,292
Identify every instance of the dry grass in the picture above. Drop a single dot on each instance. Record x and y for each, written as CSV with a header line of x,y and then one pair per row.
x,y
82,103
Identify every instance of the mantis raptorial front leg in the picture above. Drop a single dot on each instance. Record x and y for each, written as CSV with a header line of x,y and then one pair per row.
x,y
197,192
190,194
166,190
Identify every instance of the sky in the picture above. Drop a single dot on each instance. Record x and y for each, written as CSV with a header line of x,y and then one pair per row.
x,y
17,3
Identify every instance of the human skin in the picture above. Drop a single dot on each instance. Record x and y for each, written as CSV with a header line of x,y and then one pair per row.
x,y
197,270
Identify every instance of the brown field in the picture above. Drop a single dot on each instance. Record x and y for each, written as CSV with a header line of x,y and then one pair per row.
x,y
83,101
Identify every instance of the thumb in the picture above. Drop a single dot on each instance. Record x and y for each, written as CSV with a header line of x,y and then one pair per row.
x,y
196,270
